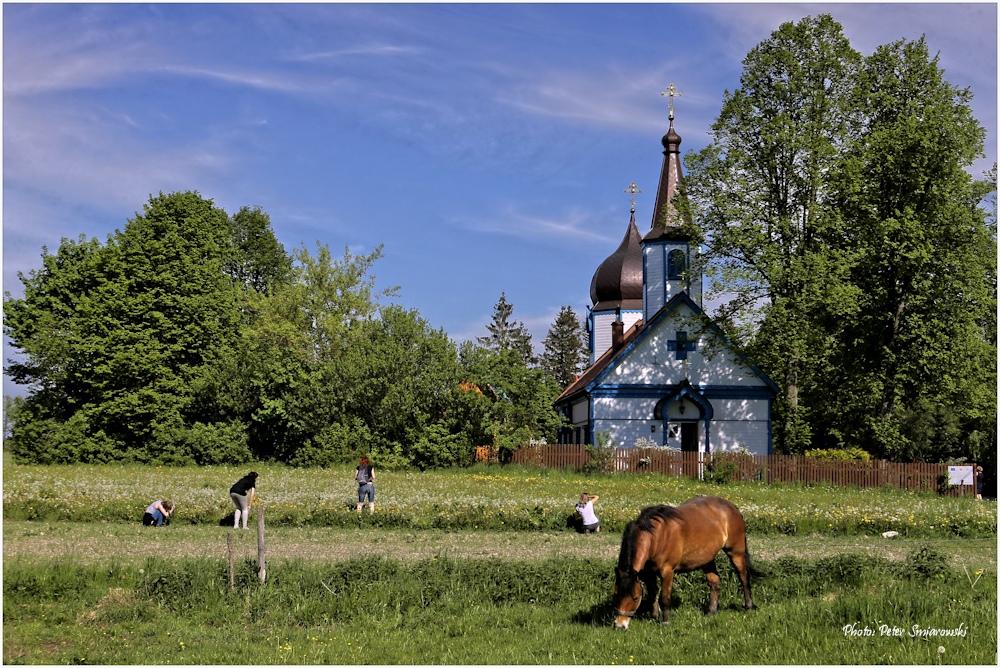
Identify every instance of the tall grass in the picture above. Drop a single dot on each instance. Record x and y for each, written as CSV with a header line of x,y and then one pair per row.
x,y
439,610
483,498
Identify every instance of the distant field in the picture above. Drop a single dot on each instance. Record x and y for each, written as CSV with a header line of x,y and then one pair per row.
x,y
493,498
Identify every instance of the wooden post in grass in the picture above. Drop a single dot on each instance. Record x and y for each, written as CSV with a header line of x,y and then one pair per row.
x,y
229,547
262,572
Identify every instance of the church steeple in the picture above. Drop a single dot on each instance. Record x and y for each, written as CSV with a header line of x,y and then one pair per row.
x,y
667,249
666,219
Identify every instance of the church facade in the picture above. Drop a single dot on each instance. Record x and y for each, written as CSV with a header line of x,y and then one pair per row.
x,y
660,369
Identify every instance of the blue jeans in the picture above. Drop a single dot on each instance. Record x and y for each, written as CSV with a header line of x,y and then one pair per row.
x,y
368,489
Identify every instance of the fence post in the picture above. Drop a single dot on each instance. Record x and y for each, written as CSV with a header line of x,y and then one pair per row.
x,y
229,550
262,572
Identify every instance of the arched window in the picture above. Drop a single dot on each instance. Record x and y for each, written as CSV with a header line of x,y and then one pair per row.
x,y
675,264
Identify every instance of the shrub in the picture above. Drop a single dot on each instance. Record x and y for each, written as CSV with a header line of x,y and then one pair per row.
x,y
602,455
842,454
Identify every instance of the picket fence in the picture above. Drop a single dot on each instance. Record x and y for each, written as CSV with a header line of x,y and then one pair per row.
x,y
741,466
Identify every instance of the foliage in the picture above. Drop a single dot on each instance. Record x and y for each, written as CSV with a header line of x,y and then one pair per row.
x,y
844,454
835,205
566,354
117,337
506,335
602,454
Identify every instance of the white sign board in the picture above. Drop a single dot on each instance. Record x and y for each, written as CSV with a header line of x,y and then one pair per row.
x,y
960,475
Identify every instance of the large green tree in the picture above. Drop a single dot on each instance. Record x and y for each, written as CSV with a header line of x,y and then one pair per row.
x,y
918,360
761,198
838,213
116,336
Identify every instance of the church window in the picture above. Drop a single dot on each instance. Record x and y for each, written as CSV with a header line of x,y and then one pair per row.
x,y
675,264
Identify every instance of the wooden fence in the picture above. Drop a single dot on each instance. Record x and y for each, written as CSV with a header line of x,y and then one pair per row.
x,y
739,466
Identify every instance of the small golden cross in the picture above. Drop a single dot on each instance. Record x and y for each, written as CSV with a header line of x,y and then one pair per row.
x,y
671,92
631,192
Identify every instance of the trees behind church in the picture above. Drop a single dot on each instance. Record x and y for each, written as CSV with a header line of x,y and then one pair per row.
x,y
835,204
193,336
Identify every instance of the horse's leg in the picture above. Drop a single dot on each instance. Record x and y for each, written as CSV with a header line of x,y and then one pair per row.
x,y
652,591
713,587
667,577
742,566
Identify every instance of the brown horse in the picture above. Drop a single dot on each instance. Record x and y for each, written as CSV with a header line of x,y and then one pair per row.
x,y
665,540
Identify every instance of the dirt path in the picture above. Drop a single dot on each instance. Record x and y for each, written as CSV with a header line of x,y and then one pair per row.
x,y
96,542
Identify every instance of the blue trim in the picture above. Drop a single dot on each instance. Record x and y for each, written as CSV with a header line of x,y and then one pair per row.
x,y
709,391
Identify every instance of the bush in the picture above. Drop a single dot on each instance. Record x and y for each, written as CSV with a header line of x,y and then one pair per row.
x,y
842,454
602,455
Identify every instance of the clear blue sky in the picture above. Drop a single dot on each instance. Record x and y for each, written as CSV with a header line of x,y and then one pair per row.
x,y
486,146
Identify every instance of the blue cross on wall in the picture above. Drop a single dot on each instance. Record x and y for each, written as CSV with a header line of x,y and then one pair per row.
x,y
682,345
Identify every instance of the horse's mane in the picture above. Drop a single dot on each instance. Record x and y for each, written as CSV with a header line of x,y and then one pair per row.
x,y
642,523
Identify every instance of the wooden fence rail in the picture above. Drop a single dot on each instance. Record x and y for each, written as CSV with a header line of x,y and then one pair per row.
x,y
739,466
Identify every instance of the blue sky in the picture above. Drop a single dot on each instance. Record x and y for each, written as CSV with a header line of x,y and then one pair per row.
x,y
487,147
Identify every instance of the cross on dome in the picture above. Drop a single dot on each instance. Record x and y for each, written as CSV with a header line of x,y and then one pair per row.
x,y
671,92
631,191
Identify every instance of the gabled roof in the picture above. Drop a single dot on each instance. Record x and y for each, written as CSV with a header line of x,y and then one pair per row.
x,y
592,376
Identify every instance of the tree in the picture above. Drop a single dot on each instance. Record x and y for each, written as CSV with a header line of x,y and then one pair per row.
x,y
760,196
836,207
257,259
117,336
507,335
565,349
921,368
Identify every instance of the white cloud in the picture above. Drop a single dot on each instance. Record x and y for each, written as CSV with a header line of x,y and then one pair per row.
x,y
575,225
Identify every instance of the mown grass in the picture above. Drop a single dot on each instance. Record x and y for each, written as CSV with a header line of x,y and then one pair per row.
x,y
482,498
473,611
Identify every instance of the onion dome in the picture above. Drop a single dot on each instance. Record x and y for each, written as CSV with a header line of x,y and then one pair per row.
x,y
617,283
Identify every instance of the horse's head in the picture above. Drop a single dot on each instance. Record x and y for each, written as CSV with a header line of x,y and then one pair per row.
x,y
627,596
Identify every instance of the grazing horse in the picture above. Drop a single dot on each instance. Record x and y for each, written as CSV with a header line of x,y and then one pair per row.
x,y
665,540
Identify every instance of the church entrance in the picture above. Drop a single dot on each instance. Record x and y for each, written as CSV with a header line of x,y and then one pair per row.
x,y
683,435
689,436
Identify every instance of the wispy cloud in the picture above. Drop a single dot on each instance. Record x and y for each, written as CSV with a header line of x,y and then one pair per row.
x,y
576,225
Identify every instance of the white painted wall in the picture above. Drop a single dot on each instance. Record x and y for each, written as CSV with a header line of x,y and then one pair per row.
x,y
602,329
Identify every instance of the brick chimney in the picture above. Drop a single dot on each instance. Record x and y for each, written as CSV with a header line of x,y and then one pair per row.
x,y
617,334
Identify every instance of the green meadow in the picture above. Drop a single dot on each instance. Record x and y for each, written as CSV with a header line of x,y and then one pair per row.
x,y
447,572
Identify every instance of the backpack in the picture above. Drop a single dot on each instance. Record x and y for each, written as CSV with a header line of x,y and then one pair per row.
x,y
363,476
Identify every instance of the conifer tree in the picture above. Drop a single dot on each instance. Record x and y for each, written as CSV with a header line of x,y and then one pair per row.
x,y
565,354
506,334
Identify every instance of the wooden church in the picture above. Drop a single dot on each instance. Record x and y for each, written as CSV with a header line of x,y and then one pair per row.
x,y
660,369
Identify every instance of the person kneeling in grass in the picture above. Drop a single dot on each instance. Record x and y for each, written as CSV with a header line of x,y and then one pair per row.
x,y
157,514
585,511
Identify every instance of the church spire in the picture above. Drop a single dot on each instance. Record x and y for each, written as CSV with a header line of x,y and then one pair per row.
x,y
666,220
668,250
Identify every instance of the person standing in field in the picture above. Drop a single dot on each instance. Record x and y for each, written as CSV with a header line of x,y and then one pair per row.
x,y
585,510
979,483
157,513
242,494
365,477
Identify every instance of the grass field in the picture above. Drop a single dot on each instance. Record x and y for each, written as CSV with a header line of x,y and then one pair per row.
x,y
415,583
494,498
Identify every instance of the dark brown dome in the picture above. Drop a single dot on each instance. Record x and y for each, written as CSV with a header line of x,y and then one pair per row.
x,y
617,283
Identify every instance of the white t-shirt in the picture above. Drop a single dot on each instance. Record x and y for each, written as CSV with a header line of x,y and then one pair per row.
x,y
586,511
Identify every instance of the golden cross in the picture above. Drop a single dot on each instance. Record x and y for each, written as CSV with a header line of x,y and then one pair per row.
x,y
631,191
671,92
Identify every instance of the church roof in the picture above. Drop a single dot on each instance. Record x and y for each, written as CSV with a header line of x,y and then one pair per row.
x,y
667,221
586,382
617,283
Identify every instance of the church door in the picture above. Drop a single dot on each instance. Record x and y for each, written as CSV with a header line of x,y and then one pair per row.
x,y
689,437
